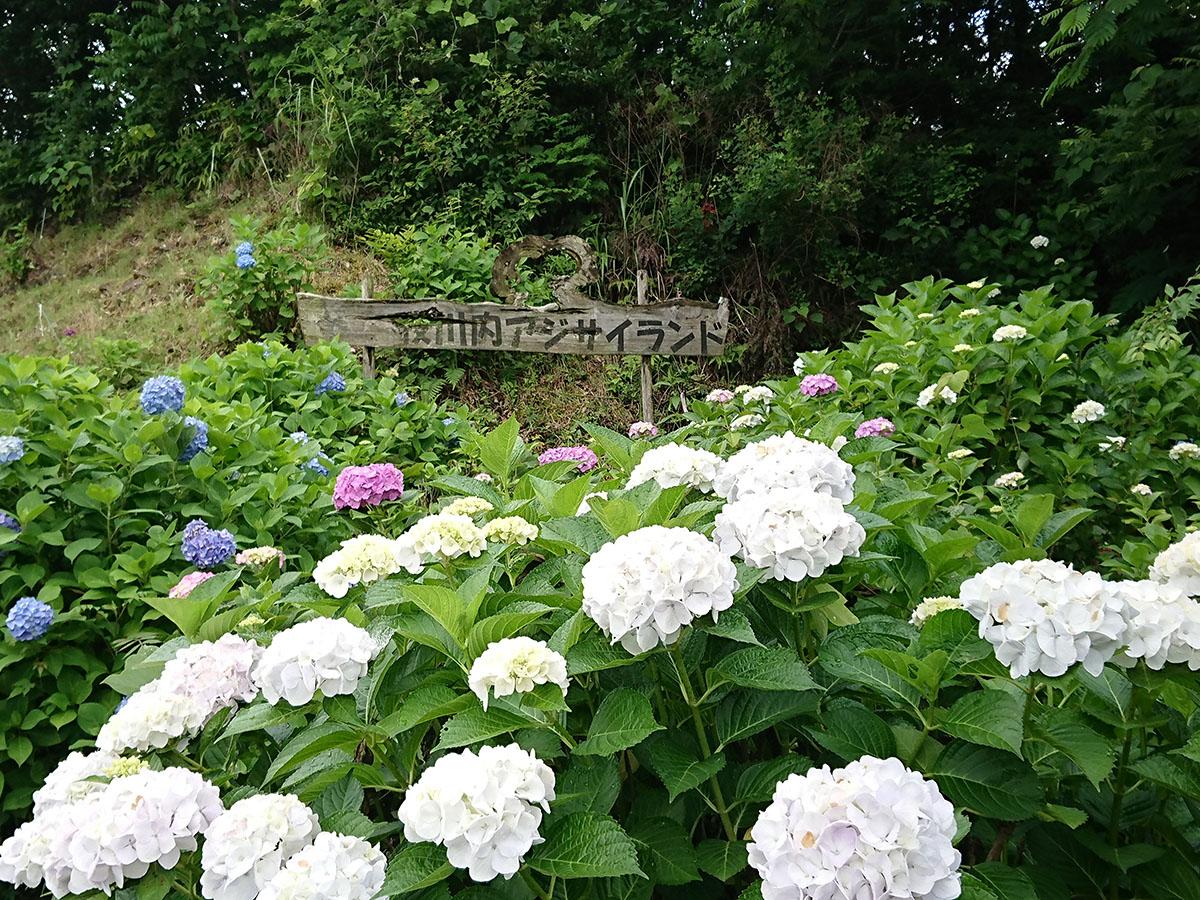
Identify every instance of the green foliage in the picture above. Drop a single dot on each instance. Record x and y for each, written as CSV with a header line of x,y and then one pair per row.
x,y
260,299
15,263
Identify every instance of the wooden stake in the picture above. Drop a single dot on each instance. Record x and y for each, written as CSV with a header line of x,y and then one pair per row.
x,y
647,383
368,352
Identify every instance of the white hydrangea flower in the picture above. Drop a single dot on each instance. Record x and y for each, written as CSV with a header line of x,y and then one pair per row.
x,y
1043,616
757,394
1088,411
150,720
963,348
1059,261
321,656
643,588
1179,564
247,846
874,829
510,530
467,506
484,808
976,284
793,533
970,312
1164,625
28,855
1038,241
333,867
741,423
68,782
924,315
742,388
118,833
483,476
361,560
1009,481
931,606
442,535
960,453
798,365
584,508
1141,489
946,394
676,464
785,461
1114,442
1184,450
910,343
886,368
1009,333
516,665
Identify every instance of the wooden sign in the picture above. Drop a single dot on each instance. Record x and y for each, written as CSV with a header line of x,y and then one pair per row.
x,y
573,323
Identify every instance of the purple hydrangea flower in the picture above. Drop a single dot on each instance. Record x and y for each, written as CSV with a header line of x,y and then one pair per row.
x,y
332,383
7,521
69,332
207,548
818,385
245,261
245,248
199,439
643,429
880,427
29,619
314,465
402,399
584,456
12,448
162,393
359,486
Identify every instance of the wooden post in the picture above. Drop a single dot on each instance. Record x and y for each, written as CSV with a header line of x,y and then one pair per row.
x,y
368,352
647,383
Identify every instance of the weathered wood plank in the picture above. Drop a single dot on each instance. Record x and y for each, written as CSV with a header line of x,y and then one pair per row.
x,y
673,328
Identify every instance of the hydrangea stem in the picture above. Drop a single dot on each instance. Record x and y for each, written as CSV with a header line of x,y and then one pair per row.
x,y
528,878
689,695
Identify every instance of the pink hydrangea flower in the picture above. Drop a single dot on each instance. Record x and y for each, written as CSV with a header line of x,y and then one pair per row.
x,y
260,556
188,583
720,395
583,455
643,429
880,427
818,385
359,486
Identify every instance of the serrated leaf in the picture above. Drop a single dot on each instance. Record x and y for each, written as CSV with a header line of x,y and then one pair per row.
x,y
424,705
722,859
590,784
758,781
260,716
1175,773
1005,881
746,713
987,781
594,653
414,867
851,730
443,605
665,851
764,669
624,719
505,623
309,742
991,718
585,845
732,625
677,765
474,725
1070,735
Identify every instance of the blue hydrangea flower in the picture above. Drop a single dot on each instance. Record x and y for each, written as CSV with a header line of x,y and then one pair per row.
x,y
245,248
245,261
199,439
206,548
29,619
121,705
12,448
162,393
314,465
7,521
402,399
298,437
449,421
332,383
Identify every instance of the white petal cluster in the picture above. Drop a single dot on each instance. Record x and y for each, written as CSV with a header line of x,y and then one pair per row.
x,y
200,681
333,867
931,606
361,560
945,394
1009,333
874,829
510,530
585,507
785,461
484,808
1184,450
793,533
963,348
1038,241
1088,411
971,312
1164,624
886,368
960,453
467,506
645,586
247,846
1141,489
1044,616
1179,564
677,464
741,423
68,782
1114,442
758,393
321,656
112,834
516,665
444,535
1009,481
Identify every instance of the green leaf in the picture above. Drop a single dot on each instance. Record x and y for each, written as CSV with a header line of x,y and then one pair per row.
x,y
732,625
991,718
190,612
594,653
414,867
842,656
1033,512
309,742
1069,734
506,623
1177,774
675,762
1110,696
666,851
585,845
852,730
757,782
623,720
764,669
423,705
502,447
474,724
987,781
745,713
1005,881
618,516
722,859
590,784
443,605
